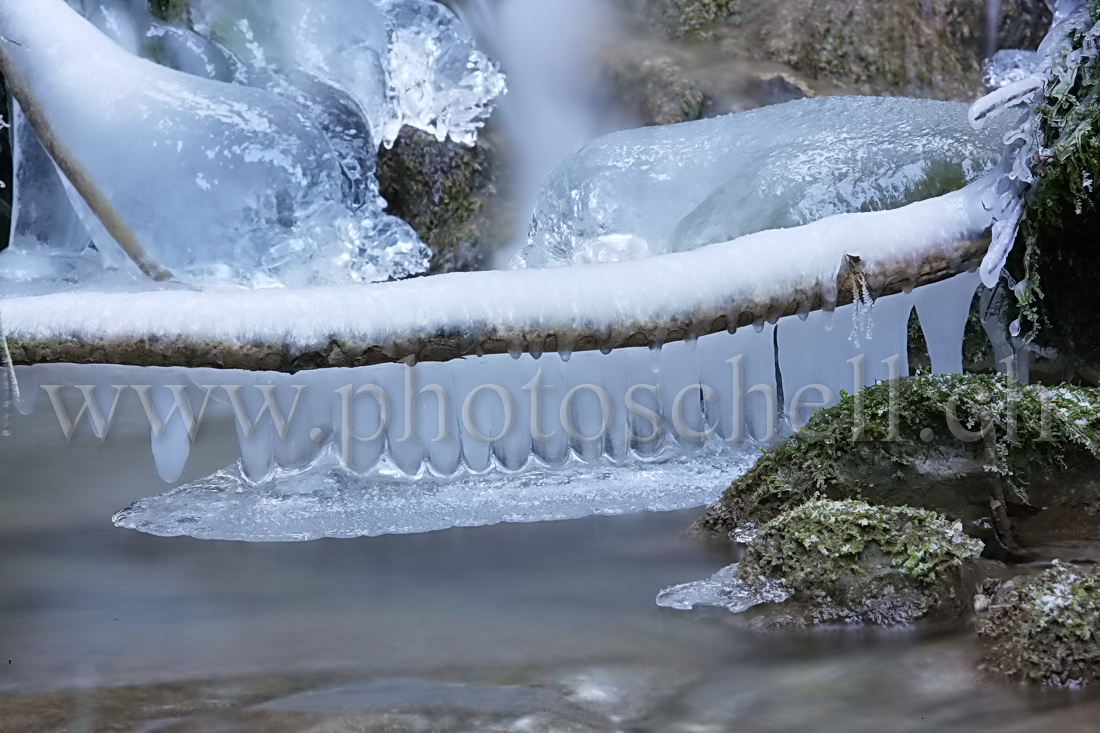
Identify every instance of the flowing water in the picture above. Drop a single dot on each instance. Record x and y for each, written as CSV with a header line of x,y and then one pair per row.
x,y
463,629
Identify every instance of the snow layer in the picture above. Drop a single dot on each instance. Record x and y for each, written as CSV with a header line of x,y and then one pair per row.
x,y
673,188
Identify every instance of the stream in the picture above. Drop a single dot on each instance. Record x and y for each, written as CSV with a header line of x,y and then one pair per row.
x,y
551,626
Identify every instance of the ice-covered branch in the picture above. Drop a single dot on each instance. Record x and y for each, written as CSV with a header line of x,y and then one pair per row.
x,y
751,280
15,77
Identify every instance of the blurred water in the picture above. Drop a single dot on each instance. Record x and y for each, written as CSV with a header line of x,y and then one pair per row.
x,y
488,620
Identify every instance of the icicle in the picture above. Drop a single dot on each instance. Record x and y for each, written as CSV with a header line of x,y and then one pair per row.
x,y
11,395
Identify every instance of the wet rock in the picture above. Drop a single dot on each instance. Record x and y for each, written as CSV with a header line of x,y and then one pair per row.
x,y
1016,464
658,90
1045,629
448,193
850,562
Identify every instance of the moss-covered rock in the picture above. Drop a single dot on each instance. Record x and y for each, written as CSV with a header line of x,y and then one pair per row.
x,y
1045,629
447,192
1015,463
848,561
657,89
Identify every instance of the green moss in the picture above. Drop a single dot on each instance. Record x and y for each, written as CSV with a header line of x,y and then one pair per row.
x,y
1016,429
821,541
1046,628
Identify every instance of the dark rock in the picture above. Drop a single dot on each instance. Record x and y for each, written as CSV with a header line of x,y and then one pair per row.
x,y
448,193
932,48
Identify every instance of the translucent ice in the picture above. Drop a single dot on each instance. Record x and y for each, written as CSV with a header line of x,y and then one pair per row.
x,y
216,181
406,62
438,81
327,501
1008,66
723,589
678,187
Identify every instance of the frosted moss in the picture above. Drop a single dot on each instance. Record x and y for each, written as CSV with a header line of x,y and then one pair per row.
x,y
821,541
1057,258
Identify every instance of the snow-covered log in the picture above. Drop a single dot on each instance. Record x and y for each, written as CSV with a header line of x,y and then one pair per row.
x,y
757,278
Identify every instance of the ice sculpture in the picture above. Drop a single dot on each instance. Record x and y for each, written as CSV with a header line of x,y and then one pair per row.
x,y
48,240
406,62
211,180
438,81
660,189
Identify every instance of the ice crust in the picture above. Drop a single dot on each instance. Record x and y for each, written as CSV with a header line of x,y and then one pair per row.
x,y
327,501
674,188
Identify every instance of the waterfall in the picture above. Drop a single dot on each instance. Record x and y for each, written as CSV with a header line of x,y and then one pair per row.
x,y
546,50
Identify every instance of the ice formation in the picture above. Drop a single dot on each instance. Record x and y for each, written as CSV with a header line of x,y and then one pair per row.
x,y
437,80
405,62
678,420
673,188
256,192
724,590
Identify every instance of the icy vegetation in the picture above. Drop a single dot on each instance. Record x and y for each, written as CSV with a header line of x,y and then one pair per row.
x,y
1022,79
261,130
677,187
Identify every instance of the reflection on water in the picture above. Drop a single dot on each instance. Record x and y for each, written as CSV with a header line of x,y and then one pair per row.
x,y
552,626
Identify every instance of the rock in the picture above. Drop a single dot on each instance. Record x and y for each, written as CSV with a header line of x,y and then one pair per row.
x,y
932,48
447,193
657,90
1045,629
919,442
850,562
